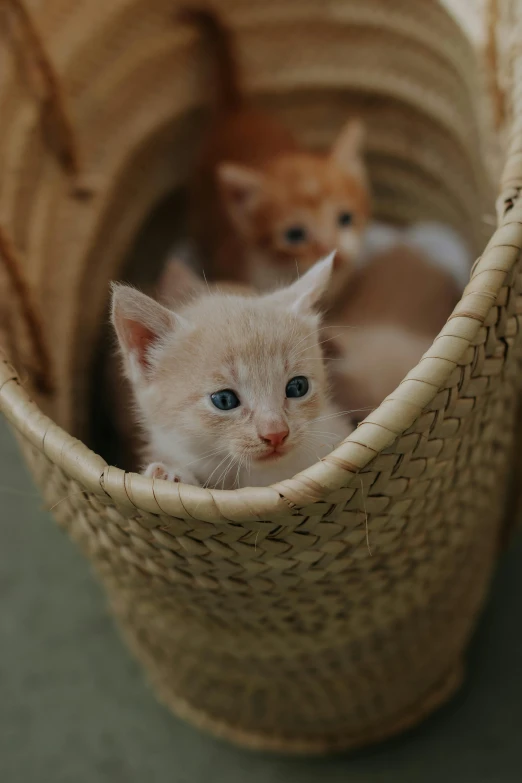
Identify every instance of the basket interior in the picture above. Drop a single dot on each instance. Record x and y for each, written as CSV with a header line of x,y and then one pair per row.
x,y
137,98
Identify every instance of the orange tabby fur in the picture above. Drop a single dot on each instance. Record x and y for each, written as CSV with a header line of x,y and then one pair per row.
x,y
253,183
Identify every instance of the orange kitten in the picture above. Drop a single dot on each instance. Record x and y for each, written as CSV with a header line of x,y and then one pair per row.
x,y
264,209
231,390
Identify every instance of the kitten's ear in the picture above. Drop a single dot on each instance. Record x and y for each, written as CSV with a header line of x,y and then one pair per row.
x,y
178,282
348,148
139,322
304,296
242,190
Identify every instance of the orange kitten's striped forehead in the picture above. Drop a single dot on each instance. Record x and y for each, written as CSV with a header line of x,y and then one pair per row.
x,y
309,180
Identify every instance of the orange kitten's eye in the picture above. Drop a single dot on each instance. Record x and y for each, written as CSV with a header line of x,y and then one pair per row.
x,y
225,400
295,235
345,219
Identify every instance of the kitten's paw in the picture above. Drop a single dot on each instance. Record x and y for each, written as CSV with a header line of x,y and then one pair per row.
x,y
158,470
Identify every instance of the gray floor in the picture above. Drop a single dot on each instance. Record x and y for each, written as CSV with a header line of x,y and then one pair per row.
x,y
74,707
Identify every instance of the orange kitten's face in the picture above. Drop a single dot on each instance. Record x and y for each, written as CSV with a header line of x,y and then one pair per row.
x,y
307,209
298,208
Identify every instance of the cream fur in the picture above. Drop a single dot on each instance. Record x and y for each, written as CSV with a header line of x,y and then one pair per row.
x,y
252,345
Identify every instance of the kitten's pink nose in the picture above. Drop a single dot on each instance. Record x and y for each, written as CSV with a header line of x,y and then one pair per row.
x,y
275,438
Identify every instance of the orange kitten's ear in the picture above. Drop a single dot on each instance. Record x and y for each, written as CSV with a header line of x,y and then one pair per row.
x,y
304,296
348,148
140,323
242,190
178,282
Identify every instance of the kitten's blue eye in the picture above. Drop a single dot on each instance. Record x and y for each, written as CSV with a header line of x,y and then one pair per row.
x,y
297,387
345,219
225,400
295,235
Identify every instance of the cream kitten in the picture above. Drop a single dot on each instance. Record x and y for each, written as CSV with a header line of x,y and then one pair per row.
x,y
231,390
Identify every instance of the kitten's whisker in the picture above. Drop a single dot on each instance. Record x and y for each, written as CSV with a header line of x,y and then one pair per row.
x,y
310,334
320,442
223,472
342,413
315,457
227,471
205,279
207,455
222,476
323,434
339,326
328,339
322,328
309,444
248,464
207,482
241,461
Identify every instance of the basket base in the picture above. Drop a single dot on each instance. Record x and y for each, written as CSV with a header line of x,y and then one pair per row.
x,y
319,745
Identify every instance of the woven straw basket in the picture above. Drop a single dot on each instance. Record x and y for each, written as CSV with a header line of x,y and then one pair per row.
x,y
333,609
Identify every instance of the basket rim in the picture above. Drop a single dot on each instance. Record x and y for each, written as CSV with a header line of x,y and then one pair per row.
x,y
379,430
393,417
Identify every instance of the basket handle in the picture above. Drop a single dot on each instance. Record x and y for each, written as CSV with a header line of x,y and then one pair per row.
x,y
41,360
58,127
497,93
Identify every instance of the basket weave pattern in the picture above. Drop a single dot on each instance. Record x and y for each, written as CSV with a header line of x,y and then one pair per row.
x,y
332,609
